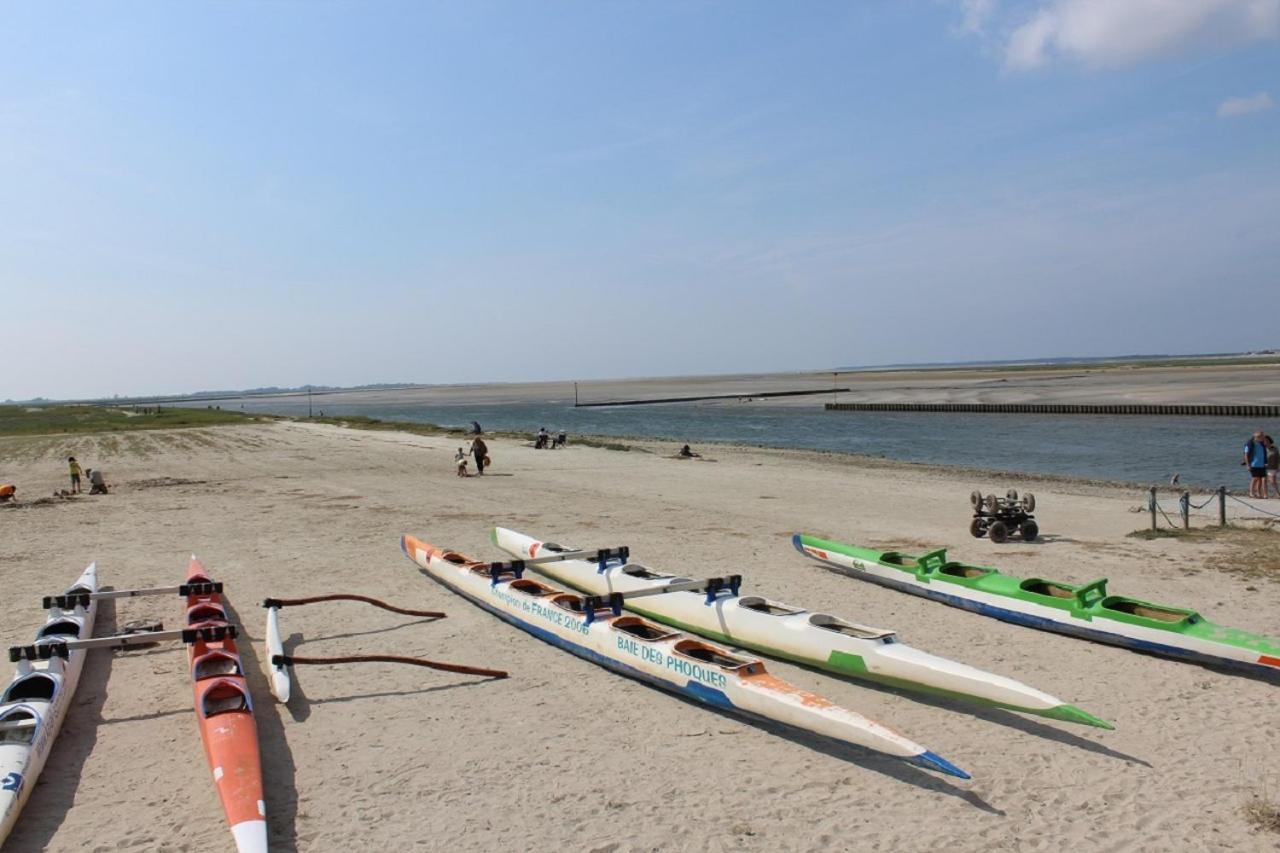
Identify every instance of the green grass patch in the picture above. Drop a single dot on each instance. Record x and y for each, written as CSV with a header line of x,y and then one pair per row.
x,y
49,420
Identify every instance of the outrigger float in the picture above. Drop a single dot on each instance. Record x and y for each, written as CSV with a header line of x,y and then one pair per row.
x,y
653,653
784,631
1086,611
35,702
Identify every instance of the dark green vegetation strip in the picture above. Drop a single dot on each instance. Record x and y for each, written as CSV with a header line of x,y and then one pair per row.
x,y
46,420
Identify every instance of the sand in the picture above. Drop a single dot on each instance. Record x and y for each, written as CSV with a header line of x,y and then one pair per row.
x,y
565,755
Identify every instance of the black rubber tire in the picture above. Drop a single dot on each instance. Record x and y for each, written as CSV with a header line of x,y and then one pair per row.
x,y
1028,503
998,532
978,527
1011,495
992,503
975,499
1029,530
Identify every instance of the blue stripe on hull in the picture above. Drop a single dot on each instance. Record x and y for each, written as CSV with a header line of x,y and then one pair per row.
x,y
1044,624
692,689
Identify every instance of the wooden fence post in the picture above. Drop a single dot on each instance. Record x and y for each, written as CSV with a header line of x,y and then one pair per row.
x,y
1184,503
1222,506
1152,503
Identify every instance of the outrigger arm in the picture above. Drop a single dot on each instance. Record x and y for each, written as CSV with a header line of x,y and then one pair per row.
x,y
61,648
711,586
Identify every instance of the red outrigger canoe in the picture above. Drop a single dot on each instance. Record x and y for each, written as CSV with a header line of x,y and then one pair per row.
x,y
224,712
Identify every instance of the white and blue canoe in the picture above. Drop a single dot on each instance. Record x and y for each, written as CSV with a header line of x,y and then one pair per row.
x,y
35,702
655,654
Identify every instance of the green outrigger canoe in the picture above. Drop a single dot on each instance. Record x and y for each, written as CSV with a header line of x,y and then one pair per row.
x,y
1088,610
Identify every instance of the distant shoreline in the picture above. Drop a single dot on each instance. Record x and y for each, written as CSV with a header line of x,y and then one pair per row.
x,y
821,378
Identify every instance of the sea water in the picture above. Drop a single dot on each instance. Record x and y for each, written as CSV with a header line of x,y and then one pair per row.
x,y
1147,450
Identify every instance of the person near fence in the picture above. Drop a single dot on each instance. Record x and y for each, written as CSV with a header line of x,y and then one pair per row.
x,y
1255,459
1273,467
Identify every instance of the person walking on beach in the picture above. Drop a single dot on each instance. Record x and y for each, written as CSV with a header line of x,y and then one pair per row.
x,y
480,451
1273,466
75,474
1255,458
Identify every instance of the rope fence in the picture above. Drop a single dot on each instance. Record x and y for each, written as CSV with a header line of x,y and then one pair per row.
x,y
1185,507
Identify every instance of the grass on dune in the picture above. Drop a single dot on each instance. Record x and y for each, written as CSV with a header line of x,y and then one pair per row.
x,y
48,420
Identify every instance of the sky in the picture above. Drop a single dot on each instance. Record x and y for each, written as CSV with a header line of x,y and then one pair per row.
x,y
223,195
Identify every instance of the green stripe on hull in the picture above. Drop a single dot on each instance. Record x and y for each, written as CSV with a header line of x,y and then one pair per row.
x,y
851,666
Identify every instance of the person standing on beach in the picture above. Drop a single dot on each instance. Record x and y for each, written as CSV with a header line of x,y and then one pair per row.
x,y
1255,458
1273,466
75,474
480,451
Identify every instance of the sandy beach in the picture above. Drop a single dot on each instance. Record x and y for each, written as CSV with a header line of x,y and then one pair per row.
x,y
565,755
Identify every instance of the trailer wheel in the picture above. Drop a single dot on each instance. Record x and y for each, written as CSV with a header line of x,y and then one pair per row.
x,y
978,528
991,502
998,532
1028,503
1030,530
975,499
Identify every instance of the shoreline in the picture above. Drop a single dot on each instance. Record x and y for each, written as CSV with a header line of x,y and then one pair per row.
x,y
380,755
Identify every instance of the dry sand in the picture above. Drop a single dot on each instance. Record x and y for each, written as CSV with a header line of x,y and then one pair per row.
x,y
565,755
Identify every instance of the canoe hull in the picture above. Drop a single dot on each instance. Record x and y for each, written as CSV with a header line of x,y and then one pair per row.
x,y
224,714
868,654
749,690
23,753
1032,615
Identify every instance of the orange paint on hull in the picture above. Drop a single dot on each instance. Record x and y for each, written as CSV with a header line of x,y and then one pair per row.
x,y
224,711
1269,661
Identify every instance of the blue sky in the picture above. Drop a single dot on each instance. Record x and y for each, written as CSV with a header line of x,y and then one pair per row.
x,y
225,195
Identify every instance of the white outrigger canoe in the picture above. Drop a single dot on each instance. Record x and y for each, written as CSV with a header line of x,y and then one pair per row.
x,y
35,702
790,633
656,654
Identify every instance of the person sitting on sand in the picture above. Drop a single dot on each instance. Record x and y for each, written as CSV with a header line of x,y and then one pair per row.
x,y
561,440
97,485
75,474
543,438
686,453
460,459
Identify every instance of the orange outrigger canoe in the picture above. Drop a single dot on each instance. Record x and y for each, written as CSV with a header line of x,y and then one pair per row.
x,y
224,712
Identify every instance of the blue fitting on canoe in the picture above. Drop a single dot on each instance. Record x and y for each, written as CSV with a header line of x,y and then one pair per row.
x,y
615,603
735,584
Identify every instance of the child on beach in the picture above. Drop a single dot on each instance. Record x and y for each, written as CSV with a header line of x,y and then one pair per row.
x,y
460,459
75,474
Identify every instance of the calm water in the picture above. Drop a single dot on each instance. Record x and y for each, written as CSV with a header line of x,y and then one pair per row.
x,y
1205,451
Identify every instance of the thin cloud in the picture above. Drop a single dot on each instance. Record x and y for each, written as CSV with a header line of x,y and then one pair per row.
x,y
1232,107
1109,33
